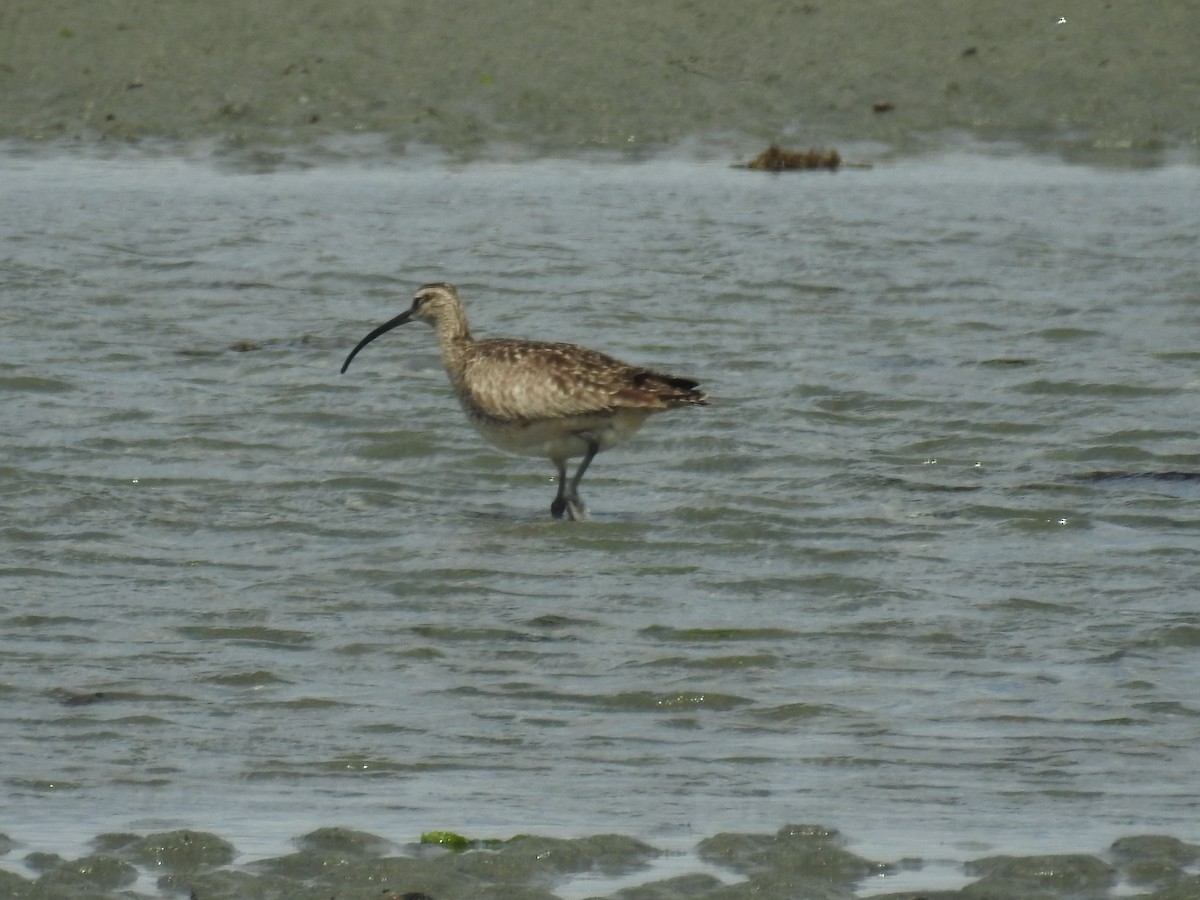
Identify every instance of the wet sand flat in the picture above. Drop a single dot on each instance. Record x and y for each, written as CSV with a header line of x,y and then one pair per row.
x,y
555,77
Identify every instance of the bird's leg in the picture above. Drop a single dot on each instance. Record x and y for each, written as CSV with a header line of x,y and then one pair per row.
x,y
574,505
559,506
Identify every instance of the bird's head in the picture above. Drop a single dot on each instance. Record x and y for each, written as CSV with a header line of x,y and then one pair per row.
x,y
430,303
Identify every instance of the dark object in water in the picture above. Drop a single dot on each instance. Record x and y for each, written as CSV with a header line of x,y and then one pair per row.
x,y
76,698
882,106
775,159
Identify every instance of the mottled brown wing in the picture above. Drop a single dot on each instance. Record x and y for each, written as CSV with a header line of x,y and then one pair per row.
x,y
528,380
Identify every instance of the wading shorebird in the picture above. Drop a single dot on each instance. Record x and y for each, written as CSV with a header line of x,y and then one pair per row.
x,y
536,398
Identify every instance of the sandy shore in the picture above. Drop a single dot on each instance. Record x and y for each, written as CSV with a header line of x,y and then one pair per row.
x,y
556,77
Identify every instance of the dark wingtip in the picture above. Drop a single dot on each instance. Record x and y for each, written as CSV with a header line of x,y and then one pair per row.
x,y
682,390
691,389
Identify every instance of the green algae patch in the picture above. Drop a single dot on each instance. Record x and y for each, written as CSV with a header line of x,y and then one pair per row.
x,y
456,842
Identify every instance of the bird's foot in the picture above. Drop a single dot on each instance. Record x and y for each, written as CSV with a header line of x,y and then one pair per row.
x,y
571,507
575,510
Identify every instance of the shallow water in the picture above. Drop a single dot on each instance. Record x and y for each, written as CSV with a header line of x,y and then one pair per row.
x,y
924,572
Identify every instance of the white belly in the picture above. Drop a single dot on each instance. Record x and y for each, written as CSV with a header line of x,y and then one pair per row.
x,y
560,439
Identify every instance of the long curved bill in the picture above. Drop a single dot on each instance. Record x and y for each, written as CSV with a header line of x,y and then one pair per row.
x,y
382,329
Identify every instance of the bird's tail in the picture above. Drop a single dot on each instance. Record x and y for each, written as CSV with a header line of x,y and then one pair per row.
x,y
672,390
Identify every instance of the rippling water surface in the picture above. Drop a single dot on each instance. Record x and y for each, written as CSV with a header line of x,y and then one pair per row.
x,y
926,570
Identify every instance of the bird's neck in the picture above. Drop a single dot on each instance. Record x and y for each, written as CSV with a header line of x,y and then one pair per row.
x,y
454,338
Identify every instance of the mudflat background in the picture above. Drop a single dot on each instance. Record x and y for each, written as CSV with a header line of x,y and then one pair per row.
x,y
555,77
